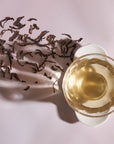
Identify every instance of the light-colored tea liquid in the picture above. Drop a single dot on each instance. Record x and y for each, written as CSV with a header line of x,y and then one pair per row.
x,y
90,85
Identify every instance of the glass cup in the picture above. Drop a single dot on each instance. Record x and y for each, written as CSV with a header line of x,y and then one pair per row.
x,y
88,87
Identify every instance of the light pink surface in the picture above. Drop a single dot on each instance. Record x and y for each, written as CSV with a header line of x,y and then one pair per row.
x,y
39,122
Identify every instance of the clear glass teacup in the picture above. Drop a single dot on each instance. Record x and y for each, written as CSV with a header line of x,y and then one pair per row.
x,y
88,87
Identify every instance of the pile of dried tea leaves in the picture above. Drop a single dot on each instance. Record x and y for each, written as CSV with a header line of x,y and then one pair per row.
x,y
14,27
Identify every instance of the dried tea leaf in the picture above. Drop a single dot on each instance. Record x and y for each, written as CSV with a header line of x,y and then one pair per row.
x,y
67,64
35,67
5,30
18,24
10,57
23,81
14,75
59,67
3,21
41,36
2,42
49,77
69,36
80,39
27,88
32,19
36,27
50,38
14,36
32,27
17,21
54,68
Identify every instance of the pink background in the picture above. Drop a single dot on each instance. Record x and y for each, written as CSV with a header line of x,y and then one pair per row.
x,y
35,122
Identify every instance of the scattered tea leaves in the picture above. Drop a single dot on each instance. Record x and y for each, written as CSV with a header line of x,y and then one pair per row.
x,y
67,48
